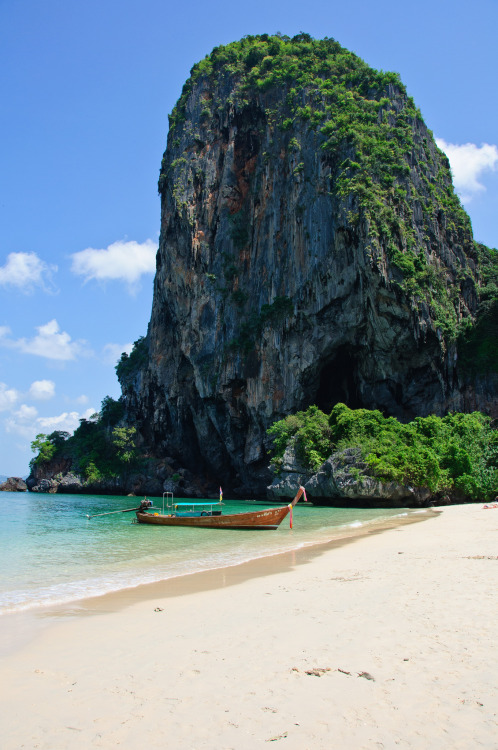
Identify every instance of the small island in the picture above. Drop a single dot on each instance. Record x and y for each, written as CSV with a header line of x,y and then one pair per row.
x,y
313,253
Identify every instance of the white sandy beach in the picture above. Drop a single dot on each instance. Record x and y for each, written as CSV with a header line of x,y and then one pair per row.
x,y
386,642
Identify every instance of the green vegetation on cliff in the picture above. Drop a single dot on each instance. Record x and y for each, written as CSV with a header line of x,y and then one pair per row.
x,y
381,156
98,450
456,452
130,364
251,328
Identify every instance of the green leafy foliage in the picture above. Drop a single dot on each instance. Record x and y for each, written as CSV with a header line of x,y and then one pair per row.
x,y
309,431
456,452
47,445
98,449
123,438
130,364
111,411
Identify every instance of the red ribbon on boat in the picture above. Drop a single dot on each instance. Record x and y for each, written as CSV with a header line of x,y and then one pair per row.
x,y
290,514
305,498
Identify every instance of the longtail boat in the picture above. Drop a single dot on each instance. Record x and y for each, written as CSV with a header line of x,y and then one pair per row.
x,y
208,515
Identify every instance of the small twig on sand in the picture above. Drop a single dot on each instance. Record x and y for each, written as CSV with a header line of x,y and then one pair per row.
x,y
366,675
318,671
277,737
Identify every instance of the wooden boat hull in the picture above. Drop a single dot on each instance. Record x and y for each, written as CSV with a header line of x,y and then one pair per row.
x,y
267,519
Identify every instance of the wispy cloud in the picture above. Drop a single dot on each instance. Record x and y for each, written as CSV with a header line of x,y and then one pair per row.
x,y
8,397
26,422
27,271
468,163
39,390
68,421
50,342
42,390
112,352
26,413
121,261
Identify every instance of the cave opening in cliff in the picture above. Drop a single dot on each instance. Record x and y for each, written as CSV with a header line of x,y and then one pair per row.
x,y
338,381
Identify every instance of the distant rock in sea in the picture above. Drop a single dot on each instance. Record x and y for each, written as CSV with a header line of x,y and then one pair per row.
x,y
14,484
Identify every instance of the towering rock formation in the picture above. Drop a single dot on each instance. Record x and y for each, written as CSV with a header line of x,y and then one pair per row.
x,y
312,250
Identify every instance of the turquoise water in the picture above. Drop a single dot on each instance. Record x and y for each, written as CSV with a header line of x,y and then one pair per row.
x,y
50,552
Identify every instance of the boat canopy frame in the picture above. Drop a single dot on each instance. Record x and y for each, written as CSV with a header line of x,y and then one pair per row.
x,y
170,505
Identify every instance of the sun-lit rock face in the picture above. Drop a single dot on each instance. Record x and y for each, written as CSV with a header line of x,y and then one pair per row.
x,y
312,251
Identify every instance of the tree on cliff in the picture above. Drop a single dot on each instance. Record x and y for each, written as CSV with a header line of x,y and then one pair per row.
x,y
97,450
46,446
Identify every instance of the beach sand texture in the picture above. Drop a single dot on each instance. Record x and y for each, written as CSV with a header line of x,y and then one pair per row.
x,y
387,642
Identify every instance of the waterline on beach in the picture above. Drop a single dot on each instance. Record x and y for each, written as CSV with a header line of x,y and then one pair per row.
x,y
50,553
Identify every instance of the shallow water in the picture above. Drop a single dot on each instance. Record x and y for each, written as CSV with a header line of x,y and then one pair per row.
x,y
50,552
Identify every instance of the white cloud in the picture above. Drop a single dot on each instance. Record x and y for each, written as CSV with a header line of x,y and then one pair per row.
x,y
67,421
42,390
468,162
113,352
26,413
26,271
8,397
50,342
22,421
28,424
120,261
82,399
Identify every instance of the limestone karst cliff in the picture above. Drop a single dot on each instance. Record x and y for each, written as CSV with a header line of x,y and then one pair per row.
x,y
312,250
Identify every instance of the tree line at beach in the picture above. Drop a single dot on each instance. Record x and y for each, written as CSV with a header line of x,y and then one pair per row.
x,y
458,452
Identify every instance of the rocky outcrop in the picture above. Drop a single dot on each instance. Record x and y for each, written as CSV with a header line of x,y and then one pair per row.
x,y
291,475
343,478
154,478
300,260
13,484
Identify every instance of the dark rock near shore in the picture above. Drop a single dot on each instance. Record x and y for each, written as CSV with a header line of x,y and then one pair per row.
x,y
344,478
156,477
14,484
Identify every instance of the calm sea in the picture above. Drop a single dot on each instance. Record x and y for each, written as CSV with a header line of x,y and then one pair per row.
x,y
50,552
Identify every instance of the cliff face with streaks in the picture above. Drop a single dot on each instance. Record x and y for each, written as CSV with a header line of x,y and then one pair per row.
x,y
312,250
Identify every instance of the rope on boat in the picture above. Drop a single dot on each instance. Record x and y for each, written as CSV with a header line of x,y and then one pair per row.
x,y
143,506
126,510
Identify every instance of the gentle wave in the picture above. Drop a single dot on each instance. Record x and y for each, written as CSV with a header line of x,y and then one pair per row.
x,y
58,556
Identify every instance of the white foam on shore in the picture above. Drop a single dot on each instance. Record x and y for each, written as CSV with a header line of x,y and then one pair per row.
x,y
23,600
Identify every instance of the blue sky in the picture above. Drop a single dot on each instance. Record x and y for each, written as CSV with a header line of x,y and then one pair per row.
x,y
85,93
